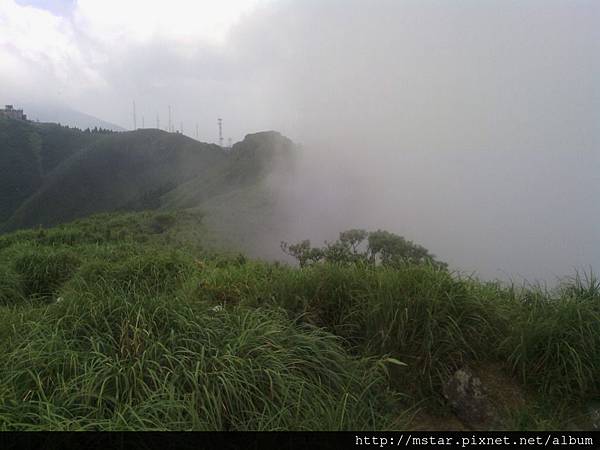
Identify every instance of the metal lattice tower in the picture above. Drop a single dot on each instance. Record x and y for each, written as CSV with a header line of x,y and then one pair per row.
x,y
169,129
134,117
220,122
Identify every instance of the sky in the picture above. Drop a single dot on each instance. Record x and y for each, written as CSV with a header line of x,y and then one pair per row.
x,y
101,56
470,126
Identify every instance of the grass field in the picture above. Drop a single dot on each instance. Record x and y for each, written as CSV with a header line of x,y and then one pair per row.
x,y
136,322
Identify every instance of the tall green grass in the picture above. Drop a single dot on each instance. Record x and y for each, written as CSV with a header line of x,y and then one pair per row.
x,y
554,340
433,321
114,360
139,331
10,287
421,315
43,270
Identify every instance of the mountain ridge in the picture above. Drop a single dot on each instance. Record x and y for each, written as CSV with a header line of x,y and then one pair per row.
x,y
55,113
146,169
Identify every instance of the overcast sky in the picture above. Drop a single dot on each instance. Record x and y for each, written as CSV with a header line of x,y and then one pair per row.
x,y
100,56
270,63
471,126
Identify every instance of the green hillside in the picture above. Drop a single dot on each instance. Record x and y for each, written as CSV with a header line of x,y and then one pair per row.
x,y
123,171
28,153
237,198
76,174
133,322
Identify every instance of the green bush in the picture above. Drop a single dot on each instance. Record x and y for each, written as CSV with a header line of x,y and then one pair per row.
x,y
381,247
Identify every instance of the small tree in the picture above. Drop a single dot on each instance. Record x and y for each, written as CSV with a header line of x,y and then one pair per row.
x,y
303,252
382,247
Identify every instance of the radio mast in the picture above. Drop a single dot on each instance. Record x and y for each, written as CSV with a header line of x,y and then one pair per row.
x,y
220,122
134,117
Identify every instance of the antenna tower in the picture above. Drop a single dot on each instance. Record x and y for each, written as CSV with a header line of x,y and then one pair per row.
x,y
134,117
169,129
196,131
220,122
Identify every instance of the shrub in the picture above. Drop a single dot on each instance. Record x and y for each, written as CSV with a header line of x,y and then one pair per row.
x,y
382,247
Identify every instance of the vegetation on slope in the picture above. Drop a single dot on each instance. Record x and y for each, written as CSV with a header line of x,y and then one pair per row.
x,y
119,322
129,171
104,328
238,198
247,164
28,153
78,173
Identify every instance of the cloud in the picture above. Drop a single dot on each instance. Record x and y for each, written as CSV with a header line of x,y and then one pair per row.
x,y
40,54
105,52
181,21
471,127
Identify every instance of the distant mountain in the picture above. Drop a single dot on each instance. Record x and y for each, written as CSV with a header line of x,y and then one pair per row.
x,y
29,152
65,116
120,171
240,198
54,174
248,163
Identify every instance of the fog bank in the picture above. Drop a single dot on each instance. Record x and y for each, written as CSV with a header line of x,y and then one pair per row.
x,y
470,127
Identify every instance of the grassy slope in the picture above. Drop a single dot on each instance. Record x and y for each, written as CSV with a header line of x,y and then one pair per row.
x,y
247,164
132,322
236,197
127,171
28,152
146,169
110,315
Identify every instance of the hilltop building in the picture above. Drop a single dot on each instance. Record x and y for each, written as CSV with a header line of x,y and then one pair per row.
x,y
12,113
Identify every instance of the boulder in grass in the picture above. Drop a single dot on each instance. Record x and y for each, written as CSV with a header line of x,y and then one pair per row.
x,y
469,400
594,414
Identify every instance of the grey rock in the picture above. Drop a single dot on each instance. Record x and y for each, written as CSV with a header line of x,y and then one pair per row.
x,y
469,400
594,414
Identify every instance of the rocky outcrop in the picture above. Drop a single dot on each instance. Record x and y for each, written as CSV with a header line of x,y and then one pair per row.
x,y
469,400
